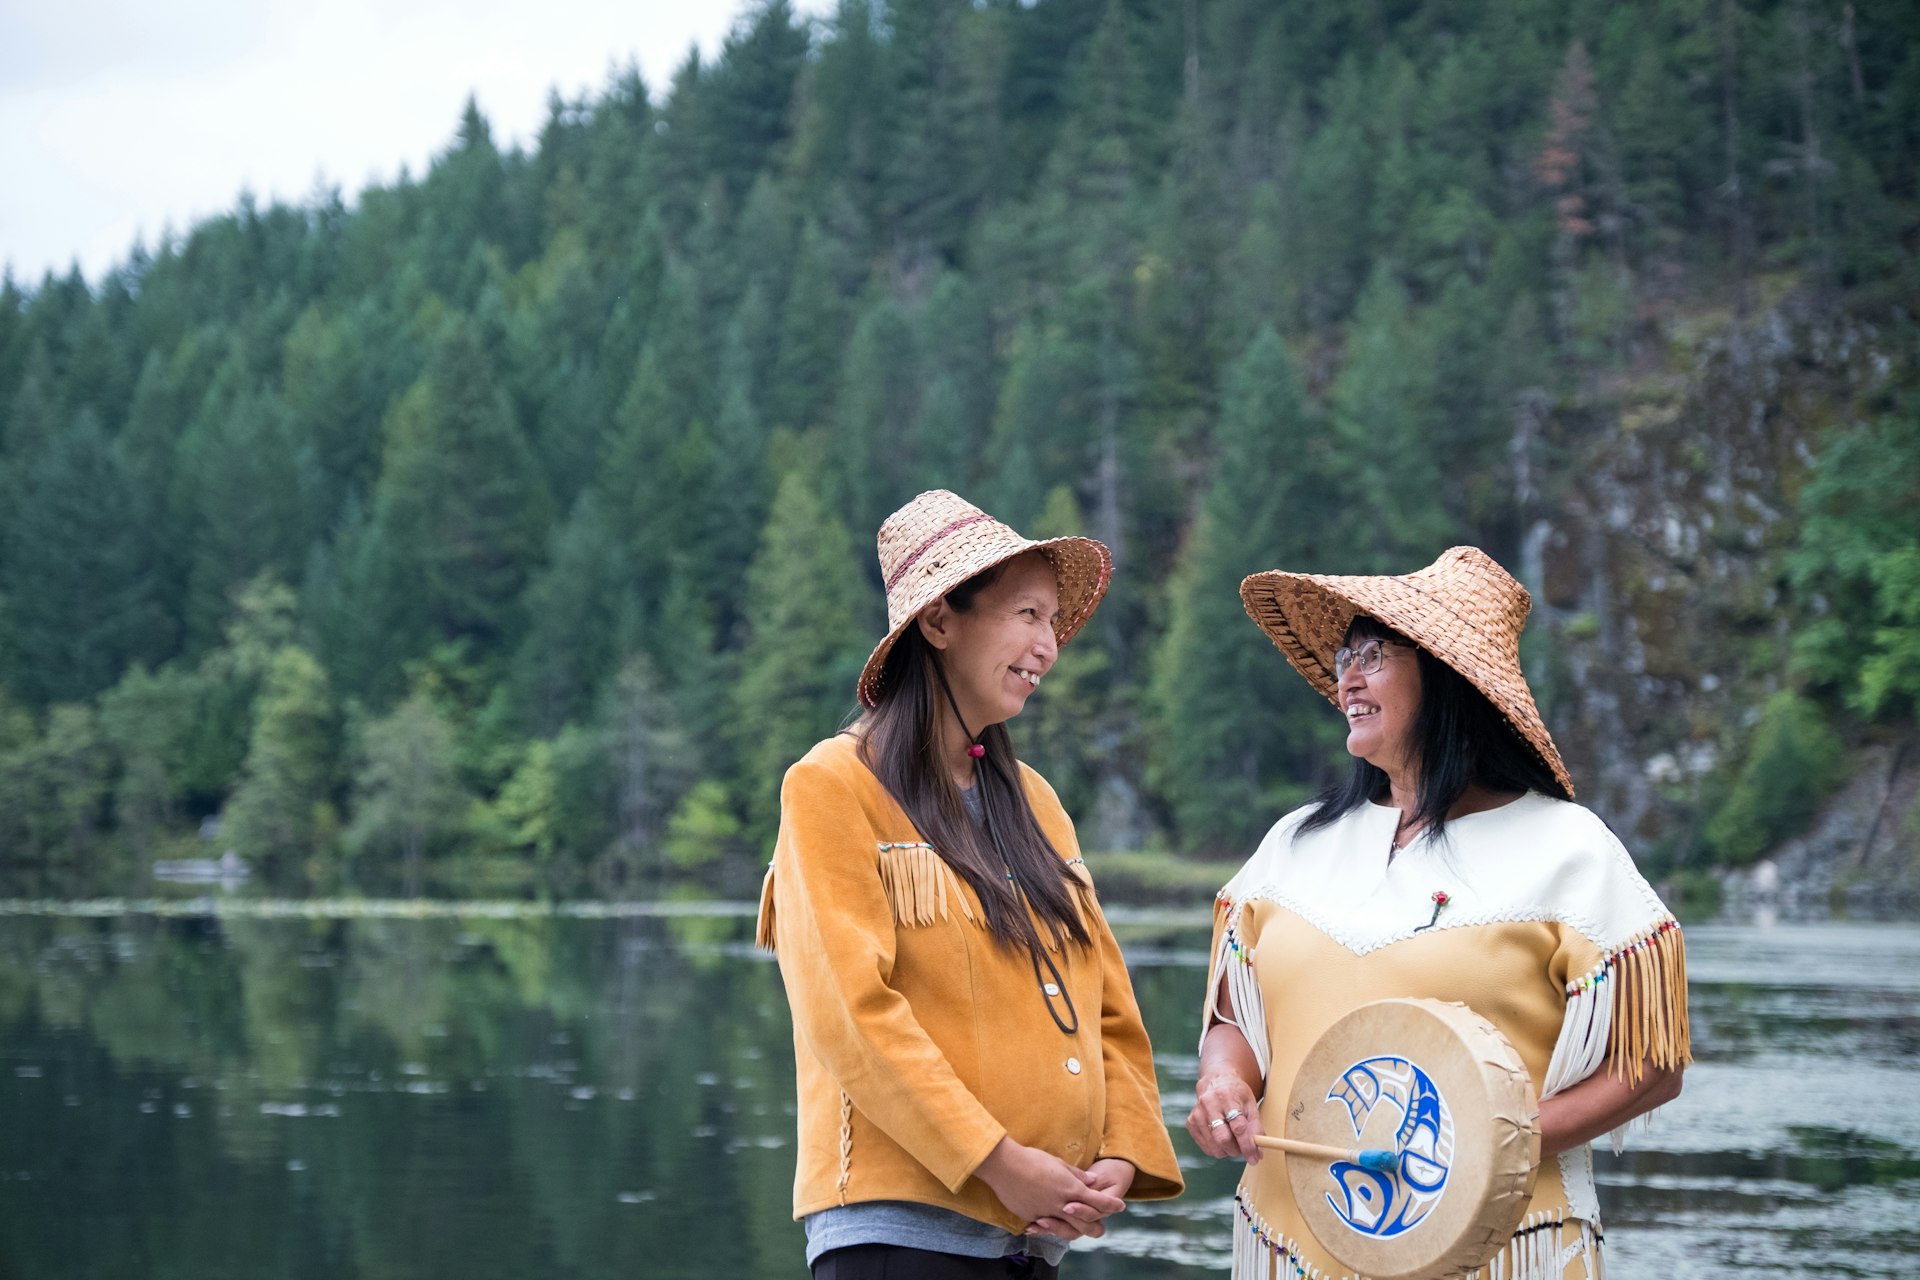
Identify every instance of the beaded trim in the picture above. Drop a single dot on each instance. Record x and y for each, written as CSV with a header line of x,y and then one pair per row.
x,y
1599,973
1286,1262
1241,953
1599,1236
1230,938
1539,1250
1232,968
1281,1250
1627,1012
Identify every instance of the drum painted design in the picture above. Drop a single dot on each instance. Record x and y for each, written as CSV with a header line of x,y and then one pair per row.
x,y
1440,1087
1390,1102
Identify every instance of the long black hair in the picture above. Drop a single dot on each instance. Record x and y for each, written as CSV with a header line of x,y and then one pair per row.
x,y
1005,858
1459,738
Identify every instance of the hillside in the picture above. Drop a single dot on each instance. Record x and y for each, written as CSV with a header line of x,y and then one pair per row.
x,y
515,521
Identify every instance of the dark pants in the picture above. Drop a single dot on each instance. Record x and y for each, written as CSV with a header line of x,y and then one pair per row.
x,y
896,1262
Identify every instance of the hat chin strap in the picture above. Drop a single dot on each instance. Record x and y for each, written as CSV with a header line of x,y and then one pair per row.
x,y
974,746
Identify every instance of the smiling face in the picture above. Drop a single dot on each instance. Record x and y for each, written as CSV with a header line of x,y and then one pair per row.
x,y
1381,707
997,650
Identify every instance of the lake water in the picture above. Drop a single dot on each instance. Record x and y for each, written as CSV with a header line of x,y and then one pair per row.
x,y
345,1092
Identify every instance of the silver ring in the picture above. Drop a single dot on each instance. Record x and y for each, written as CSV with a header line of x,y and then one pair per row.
x,y
1215,1124
1231,1116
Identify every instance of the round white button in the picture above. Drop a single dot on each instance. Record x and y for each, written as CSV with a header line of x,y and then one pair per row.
x,y
1073,1066
1050,989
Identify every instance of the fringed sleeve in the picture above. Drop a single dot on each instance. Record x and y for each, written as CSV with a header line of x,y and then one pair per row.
x,y
1649,1000
1626,1012
1232,970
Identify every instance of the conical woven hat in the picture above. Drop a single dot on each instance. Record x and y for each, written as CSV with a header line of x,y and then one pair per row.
x,y
939,540
1463,608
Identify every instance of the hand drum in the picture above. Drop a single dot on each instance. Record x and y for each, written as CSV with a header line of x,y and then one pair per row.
x,y
1439,1085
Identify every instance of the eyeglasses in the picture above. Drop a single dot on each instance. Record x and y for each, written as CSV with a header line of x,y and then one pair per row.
x,y
1367,657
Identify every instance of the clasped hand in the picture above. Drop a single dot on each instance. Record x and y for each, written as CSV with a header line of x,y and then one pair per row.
x,y
1052,1196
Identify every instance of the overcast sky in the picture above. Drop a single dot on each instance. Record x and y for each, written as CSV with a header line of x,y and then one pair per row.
x,y
120,120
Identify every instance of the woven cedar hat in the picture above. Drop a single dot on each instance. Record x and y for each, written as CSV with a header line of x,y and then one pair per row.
x,y
1463,608
939,540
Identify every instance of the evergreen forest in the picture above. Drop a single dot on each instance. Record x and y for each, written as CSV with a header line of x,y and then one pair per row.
x,y
510,527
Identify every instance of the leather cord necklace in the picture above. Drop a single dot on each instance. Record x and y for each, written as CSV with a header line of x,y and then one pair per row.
x,y
1036,950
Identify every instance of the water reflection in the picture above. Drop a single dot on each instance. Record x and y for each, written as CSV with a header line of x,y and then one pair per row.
x,y
390,1097
598,1094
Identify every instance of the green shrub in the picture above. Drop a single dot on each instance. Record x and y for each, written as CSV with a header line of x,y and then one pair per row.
x,y
1693,894
1795,763
703,826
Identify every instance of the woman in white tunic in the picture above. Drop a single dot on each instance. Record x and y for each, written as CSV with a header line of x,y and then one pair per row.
x,y
1451,865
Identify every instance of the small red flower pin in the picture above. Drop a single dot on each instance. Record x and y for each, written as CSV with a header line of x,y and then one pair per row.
x,y
1439,900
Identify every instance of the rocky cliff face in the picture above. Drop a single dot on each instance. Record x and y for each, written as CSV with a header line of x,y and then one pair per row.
x,y
1659,572
1860,853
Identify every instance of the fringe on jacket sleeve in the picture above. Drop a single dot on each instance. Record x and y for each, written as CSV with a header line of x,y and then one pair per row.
x,y
1233,969
1628,1011
1625,1014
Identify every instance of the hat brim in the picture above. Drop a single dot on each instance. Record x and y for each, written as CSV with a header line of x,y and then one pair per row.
x,y
1082,566
1307,615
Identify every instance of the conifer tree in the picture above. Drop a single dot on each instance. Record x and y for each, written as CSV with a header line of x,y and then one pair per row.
x,y
466,197
748,96
13,334
696,667
742,484
935,176
844,126
619,160
806,371
338,371
75,576
1327,178
552,344
243,494
1233,723
1383,428
36,409
579,608
946,444
460,509
876,404
1065,732
1259,275
1033,407
284,805
765,237
805,611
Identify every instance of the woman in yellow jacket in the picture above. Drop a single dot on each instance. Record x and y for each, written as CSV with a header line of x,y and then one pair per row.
x,y
976,1089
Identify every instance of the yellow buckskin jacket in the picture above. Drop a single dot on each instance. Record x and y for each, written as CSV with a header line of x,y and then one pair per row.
x,y
918,1040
